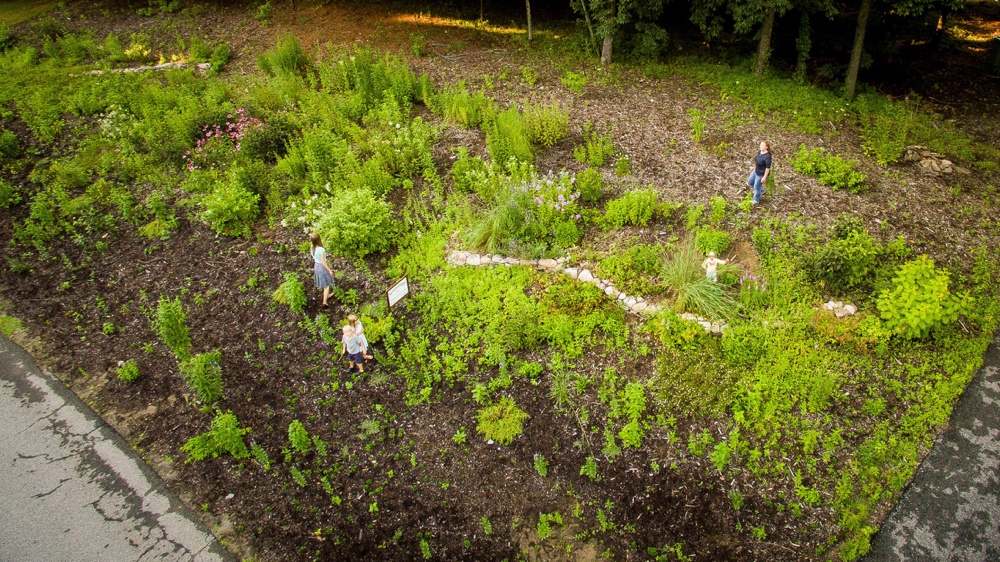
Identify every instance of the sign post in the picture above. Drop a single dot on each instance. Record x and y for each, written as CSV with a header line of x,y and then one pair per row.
x,y
396,293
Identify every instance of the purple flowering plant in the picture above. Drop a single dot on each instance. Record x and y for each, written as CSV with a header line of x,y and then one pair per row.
x,y
753,290
555,198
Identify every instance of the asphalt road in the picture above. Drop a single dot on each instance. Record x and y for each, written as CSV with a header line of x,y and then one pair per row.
x,y
951,510
71,489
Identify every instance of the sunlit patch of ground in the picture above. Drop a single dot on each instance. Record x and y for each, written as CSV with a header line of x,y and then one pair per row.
x,y
13,12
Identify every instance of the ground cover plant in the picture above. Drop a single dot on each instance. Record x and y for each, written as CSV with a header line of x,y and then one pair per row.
x,y
512,411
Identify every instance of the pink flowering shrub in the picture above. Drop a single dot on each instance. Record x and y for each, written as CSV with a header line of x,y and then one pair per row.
x,y
219,142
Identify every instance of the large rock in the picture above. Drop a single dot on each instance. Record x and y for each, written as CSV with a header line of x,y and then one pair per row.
x,y
572,272
586,276
474,259
548,264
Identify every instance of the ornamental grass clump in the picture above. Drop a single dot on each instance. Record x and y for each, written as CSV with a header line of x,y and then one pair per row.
x,y
689,289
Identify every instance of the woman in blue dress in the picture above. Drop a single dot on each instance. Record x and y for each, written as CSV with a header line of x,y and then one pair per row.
x,y
321,269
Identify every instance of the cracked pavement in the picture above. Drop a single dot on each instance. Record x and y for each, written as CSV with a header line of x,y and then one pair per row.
x,y
951,510
72,489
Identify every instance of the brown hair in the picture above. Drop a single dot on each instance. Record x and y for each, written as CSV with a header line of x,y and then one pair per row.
x,y
314,239
766,144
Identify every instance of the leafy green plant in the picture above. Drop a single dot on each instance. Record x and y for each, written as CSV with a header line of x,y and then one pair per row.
x,y
10,195
487,526
830,170
169,324
501,422
507,138
418,45
693,215
697,124
541,465
634,270
919,300
717,210
128,371
546,124
225,436
285,59
884,133
356,224
203,373
291,292
595,150
575,81
590,182
675,332
231,208
457,105
299,437
459,437
623,166
845,262
260,455
9,147
589,469
545,521
709,239
634,208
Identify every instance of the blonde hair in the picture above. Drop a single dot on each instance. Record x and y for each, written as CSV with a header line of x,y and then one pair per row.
x,y
352,318
348,328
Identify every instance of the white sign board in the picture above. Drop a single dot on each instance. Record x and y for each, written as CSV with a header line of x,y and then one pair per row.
x,y
398,291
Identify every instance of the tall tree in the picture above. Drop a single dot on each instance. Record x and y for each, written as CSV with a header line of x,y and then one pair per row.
x,y
610,16
747,15
903,8
527,4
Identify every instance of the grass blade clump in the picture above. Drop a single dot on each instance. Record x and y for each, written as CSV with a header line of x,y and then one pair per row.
x,y
691,290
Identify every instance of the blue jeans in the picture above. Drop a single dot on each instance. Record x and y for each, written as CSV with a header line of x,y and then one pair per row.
x,y
756,183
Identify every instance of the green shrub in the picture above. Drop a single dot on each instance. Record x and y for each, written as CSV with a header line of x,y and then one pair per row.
x,y
203,373
220,57
574,81
369,76
464,167
844,263
590,182
169,324
10,195
744,344
299,437
225,436
634,208
357,224
9,147
717,210
623,166
675,332
753,293
693,215
831,171
128,371
285,59
634,270
231,208
501,422
919,300
546,124
507,138
709,239
291,292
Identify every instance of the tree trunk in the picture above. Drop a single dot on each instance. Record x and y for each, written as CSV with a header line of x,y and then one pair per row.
x,y
764,47
590,27
803,45
859,46
480,10
527,4
606,50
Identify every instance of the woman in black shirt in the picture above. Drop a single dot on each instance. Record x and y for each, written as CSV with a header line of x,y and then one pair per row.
x,y
762,168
